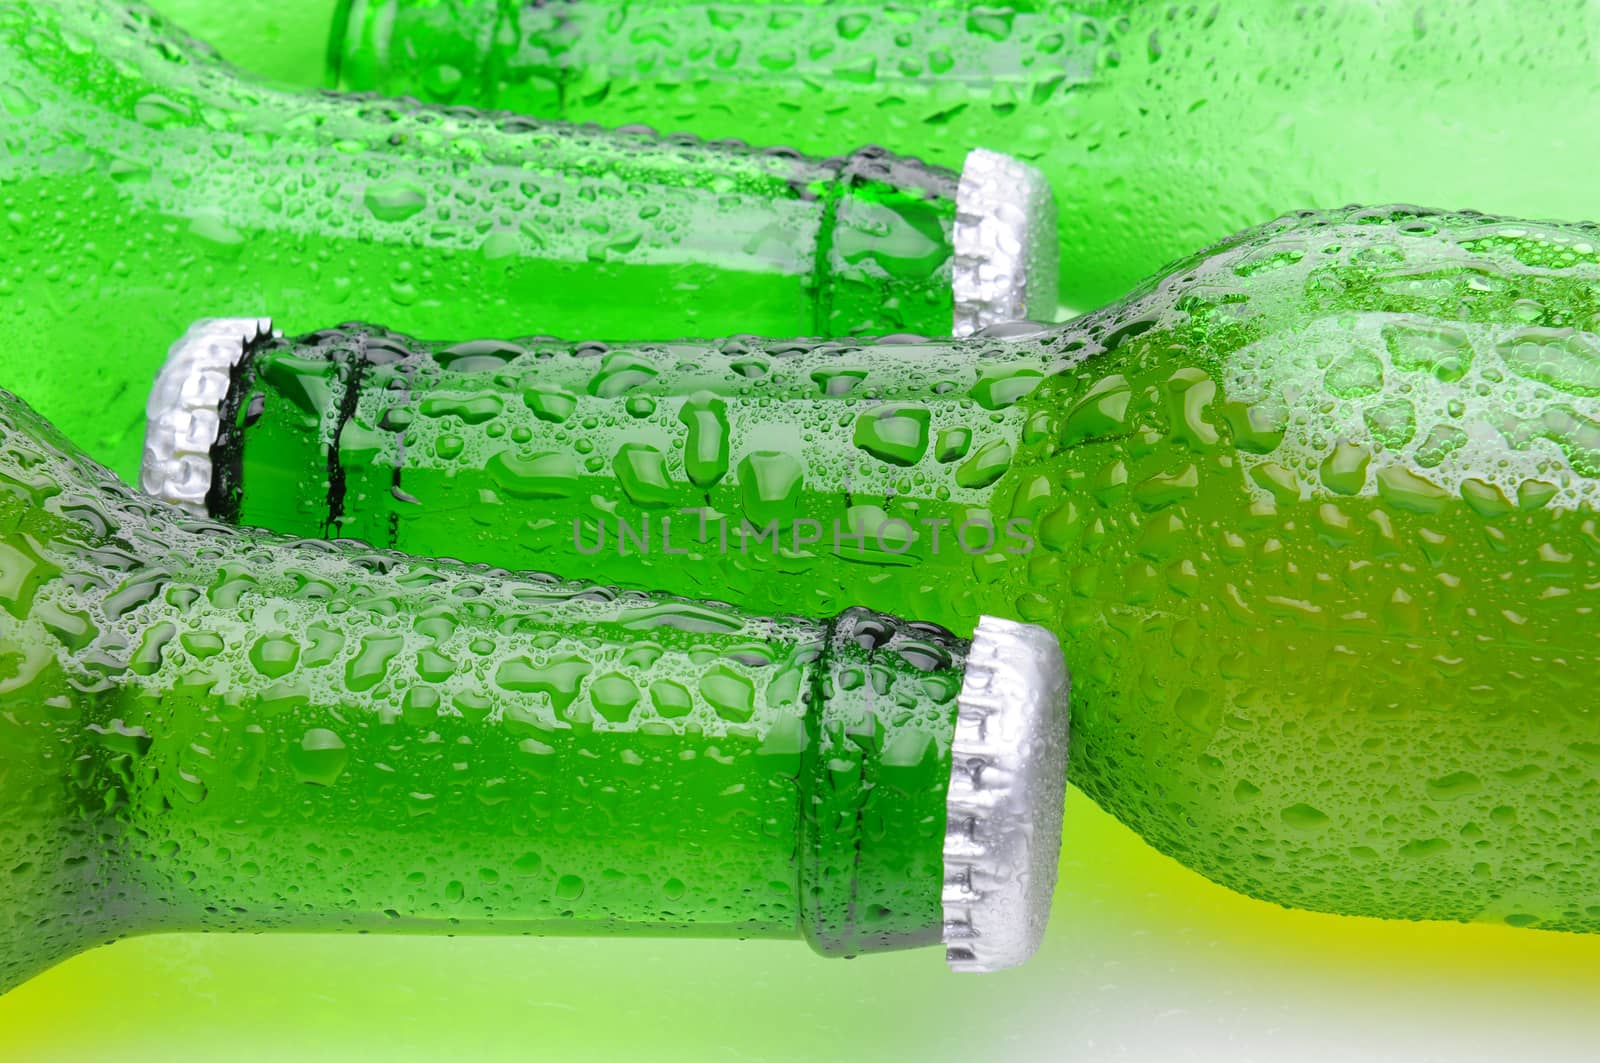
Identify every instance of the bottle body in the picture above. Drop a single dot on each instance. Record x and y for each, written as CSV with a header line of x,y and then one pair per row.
x,y
1315,514
149,183
206,729
1217,119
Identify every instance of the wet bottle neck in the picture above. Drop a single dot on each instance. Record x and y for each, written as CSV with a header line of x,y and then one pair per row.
x,y
816,458
566,57
791,245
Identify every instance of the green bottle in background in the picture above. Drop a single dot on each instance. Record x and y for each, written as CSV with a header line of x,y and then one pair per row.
x,y
145,184
1314,515
1162,126
204,729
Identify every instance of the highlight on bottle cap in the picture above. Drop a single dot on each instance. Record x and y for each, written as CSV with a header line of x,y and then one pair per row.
x,y
1007,788
1005,243
183,413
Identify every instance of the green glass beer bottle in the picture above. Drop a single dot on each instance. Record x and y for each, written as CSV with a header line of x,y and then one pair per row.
x,y
1162,126
1314,514
205,729
145,183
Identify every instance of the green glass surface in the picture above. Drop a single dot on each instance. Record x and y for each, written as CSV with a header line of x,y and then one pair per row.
x,y
145,184
206,729
1314,514
1161,126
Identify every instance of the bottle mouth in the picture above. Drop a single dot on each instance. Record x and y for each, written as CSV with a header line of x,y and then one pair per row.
x,y
1006,256
183,415
1007,790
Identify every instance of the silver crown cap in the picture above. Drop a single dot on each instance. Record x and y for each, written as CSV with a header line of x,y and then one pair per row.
x,y
183,414
1007,787
1005,243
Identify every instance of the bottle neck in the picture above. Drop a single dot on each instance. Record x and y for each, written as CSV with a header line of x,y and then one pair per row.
x,y
547,213
744,460
272,734
561,58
